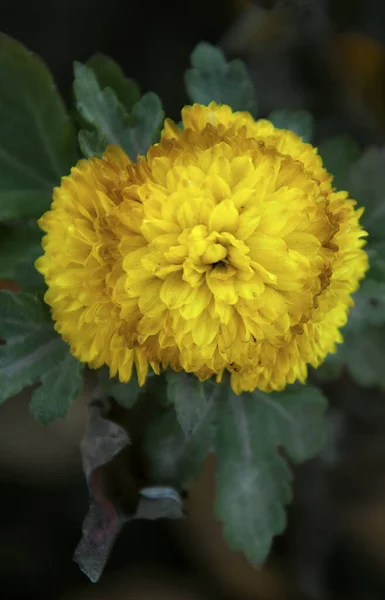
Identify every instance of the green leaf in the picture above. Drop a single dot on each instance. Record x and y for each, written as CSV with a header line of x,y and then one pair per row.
x,y
212,78
300,121
363,350
376,253
253,478
148,117
35,352
19,248
190,397
125,394
331,368
92,143
109,74
100,108
176,458
109,120
369,306
59,387
338,155
363,354
37,139
29,279
367,185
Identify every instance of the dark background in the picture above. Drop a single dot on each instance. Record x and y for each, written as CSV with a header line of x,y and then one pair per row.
x,y
328,57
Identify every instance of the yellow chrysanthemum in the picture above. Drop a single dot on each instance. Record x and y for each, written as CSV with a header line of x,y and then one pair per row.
x,y
225,248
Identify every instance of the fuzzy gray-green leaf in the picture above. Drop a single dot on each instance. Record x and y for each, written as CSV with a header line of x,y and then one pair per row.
x,y
125,394
338,155
99,107
109,74
19,245
108,119
34,352
299,121
363,354
253,478
369,306
37,139
190,398
367,185
59,386
174,457
212,78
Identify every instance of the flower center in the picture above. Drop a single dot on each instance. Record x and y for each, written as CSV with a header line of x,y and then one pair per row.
x,y
220,263
220,254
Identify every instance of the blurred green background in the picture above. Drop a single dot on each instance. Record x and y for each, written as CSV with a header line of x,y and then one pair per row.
x,y
324,56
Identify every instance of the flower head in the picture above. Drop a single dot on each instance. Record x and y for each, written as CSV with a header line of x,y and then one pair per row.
x,y
225,248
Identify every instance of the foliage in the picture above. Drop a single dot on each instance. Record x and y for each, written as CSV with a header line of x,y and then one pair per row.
x,y
246,433
126,394
19,247
255,437
301,122
108,120
110,75
363,349
211,78
38,144
34,352
176,445
253,479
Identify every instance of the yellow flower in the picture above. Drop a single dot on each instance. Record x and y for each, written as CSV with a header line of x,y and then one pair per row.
x,y
225,248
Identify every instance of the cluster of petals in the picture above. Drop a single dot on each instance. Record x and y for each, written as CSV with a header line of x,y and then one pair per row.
x,y
225,248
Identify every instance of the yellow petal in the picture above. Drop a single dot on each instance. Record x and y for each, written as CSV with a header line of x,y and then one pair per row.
x,y
249,289
155,227
117,155
205,329
222,271
241,168
304,243
188,214
248,223
229,333
224,217
170,130
176,254
141,365
149,299
162,271
222,289
192,274
224,311
122,365
175,291
265,275
160,168
218,188
150,325
197,304
221,167
213,254
238,256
